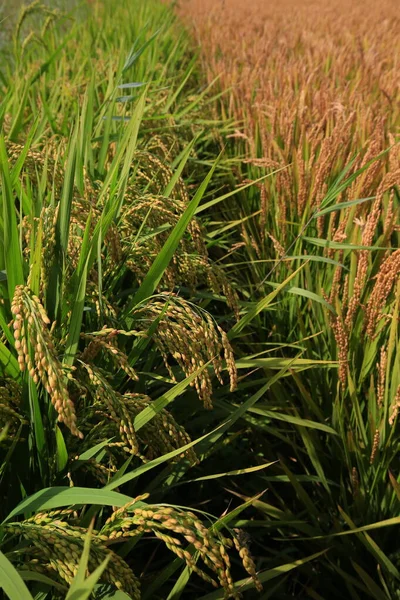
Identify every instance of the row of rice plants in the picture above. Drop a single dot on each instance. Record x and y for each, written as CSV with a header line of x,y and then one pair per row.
x,y
108,354
313,90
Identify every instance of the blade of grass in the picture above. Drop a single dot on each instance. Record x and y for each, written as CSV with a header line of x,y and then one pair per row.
x,y
11,581
58,497
12,249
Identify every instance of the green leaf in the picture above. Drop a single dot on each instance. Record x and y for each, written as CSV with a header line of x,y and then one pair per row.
x,y
39,439
278,363
260,306
116,176
11,581
342,205
36,261
71,345
373,588
307,294
370,543
134,55
156,462
81,587
395,484
40,578
19,117
178,172
247,584
108,592
62,452
134,84
241,410
232,473
272,414
64,216
215,201
44,67
378,525
88,454
340,245
155,407
8,362
12,250
189,70
59,496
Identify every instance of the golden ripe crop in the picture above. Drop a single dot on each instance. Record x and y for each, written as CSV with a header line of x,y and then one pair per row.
x,y
314,87
314,81
311,59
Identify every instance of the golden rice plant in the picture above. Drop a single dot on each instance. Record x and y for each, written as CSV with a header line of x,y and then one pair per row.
x,y
313,89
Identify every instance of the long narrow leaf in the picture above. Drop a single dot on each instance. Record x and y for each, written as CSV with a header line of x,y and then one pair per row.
x,y
11,581
58,497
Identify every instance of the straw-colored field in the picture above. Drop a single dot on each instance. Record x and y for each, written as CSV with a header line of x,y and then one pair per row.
x,y
314,91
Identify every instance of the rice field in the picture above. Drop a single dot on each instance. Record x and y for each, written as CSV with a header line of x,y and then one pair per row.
x,y
200,299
